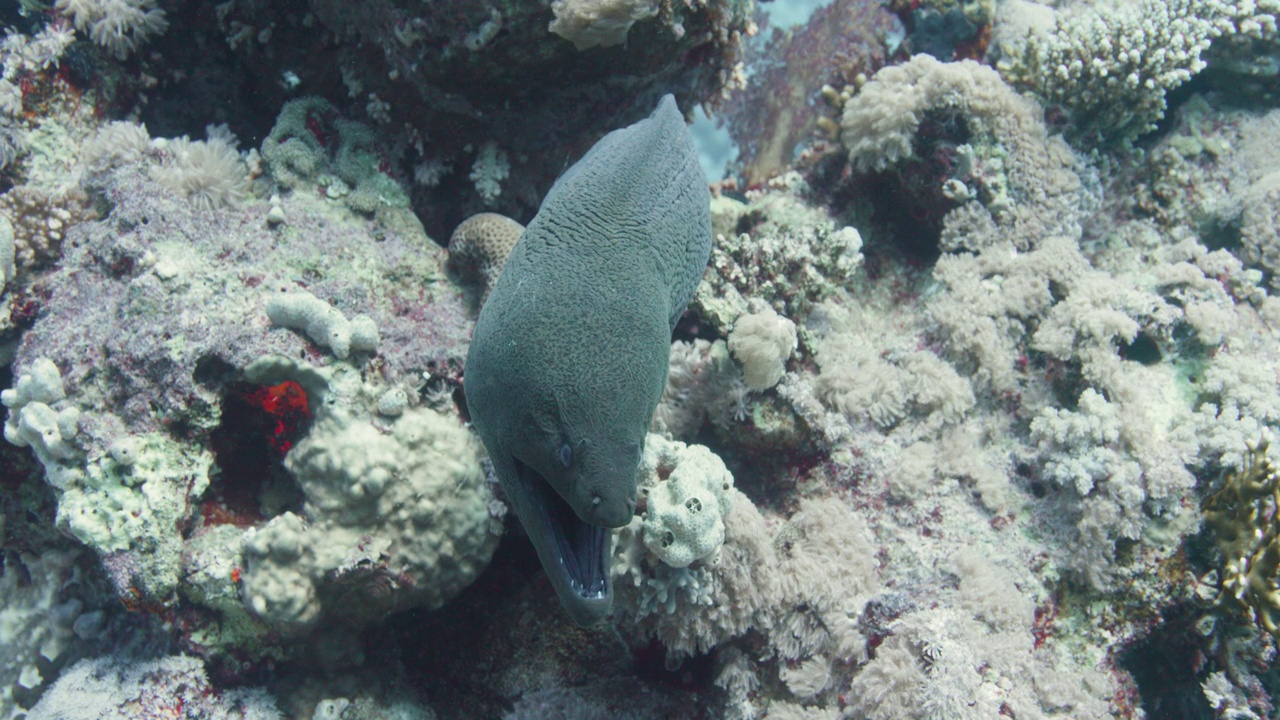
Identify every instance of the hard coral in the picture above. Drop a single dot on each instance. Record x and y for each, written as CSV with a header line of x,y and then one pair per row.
x,y
393,520
588,23
40,220
480,246
1111,64
1243,514
776,250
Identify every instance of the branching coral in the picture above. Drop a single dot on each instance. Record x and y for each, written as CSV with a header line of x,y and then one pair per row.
x,y
1113,63
1243,514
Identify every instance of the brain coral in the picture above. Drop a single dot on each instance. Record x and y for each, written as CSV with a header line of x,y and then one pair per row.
x,y
480,246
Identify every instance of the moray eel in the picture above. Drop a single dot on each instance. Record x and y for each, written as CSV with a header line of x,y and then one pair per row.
x,y
569,355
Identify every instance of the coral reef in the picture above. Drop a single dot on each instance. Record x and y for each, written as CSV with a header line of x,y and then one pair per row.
x,y
1112,64
1003,178
1242,514
777,250
117,687
118,25
479,248
392,519
124,407
972,413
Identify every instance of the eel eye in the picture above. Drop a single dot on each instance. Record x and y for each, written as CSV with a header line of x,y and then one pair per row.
x,y
566,454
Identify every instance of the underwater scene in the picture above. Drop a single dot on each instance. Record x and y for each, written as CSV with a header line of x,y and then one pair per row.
x,y
632,359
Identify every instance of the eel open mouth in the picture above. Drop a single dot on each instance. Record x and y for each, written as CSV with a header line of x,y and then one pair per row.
x,y
580,547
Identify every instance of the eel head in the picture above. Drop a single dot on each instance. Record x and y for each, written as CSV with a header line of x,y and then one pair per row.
x,y
568,494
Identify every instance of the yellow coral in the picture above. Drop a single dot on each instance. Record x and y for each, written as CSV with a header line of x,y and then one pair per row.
x,y
1243,513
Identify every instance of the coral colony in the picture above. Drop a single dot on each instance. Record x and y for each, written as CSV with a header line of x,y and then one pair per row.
x,y
971,414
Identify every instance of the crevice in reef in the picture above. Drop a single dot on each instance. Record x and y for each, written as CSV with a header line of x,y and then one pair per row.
x,y
259,426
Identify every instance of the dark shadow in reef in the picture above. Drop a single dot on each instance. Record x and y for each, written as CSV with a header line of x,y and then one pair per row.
x,y
1164,665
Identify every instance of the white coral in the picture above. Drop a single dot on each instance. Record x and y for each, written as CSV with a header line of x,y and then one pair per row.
x,y
762,341
488,172
209,173
1039,190
118,25
687,492
115,144
858,382
1113,63
587,23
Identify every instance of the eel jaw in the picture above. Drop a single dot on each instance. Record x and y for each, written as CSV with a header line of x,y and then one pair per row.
x,y
575,554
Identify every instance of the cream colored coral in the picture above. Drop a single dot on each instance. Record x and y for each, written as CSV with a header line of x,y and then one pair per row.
x,y
394,519
1112,63
1010,149
687,494
762,341
480,245
209,173
858,382
118,25
587,23
40,221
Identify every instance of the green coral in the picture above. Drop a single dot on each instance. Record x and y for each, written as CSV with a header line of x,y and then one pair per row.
x,y
311,146
1243,515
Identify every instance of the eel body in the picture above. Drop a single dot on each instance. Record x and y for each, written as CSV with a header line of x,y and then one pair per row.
x,y
569,356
